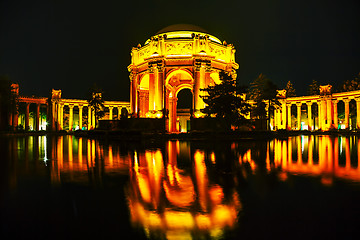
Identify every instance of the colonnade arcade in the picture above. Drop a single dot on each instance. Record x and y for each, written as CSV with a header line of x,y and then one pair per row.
x,y
80,114
56,113
317,112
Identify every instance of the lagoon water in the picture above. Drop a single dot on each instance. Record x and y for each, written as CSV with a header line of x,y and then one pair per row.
x,y
67,187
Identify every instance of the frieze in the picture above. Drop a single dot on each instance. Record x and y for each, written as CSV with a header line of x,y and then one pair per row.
x,y
179,48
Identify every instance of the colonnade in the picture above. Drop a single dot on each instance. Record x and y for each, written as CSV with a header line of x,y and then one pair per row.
x,y
58,112
327,108
55,111
38,101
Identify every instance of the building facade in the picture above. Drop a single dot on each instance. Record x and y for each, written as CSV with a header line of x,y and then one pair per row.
x,y
178,57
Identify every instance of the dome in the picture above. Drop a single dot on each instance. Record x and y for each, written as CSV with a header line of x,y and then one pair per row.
x,y
183,31
182,27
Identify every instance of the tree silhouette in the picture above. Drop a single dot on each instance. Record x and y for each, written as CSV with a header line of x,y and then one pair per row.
x,y
226,100
290,91
8,102
314,88
264,94
351,85
96,102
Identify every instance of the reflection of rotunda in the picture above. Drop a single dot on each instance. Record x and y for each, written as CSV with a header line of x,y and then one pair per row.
x,y
176,63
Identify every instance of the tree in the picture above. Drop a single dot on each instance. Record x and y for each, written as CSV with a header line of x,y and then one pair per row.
x,y
225,100
314,88
96,102
290,91
351,85
264,94
8,101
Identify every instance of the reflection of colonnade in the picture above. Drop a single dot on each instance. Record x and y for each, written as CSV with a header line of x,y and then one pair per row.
x,y
323,156
84,160
326,106
173,202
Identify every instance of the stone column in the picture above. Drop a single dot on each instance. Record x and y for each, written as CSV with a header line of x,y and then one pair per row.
x,y
160,86
80,117
289,116
53,115
283,125
172,115
58,117
329,113
61,112
319,114
279,114
346,102
71,117
357,113
89,118
324,123
151,89
298,105
207,75
310,125
277,118
27,106
93,119
37,118
336,123
132,92
111,112
197,99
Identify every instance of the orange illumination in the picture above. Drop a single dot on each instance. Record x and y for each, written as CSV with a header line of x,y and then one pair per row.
x,y
216,194
179,220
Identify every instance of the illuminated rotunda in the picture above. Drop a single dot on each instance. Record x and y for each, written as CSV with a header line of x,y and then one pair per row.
x,y
179,57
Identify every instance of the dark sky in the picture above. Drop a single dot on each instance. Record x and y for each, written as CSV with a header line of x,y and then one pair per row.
x,y
71,44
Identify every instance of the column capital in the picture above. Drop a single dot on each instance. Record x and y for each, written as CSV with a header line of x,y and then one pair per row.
x,y
197,66
150,68
298,104
309,103
160,67
80,106
71,106
110,107
346,100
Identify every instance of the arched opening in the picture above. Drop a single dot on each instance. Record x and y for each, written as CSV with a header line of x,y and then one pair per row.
x,y
315,114
184,109
144,96
341,114
179,100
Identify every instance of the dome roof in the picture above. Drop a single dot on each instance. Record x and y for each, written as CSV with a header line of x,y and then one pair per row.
x,y
183,31
182,27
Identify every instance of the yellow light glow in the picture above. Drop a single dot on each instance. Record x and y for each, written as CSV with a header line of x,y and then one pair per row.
x,y
179,220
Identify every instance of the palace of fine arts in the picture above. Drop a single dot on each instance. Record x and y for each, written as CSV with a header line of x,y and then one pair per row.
x,y
169,77
179,120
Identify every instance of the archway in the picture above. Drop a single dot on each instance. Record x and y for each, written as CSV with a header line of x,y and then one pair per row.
x,y
184,109
179,84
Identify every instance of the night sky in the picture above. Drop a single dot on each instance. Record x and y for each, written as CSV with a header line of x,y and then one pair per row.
x,y
70,44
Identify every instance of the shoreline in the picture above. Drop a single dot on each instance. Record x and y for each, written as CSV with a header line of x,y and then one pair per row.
x,y
204,135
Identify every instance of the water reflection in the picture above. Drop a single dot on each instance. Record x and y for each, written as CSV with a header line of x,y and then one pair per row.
x,y
173,202
180,189
324,156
